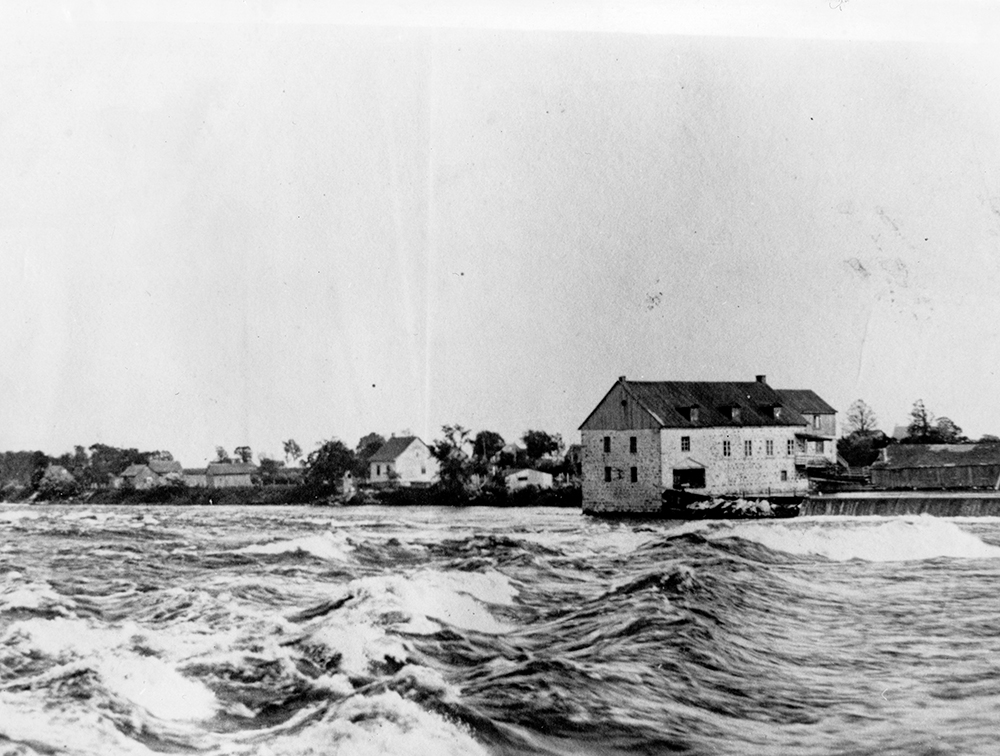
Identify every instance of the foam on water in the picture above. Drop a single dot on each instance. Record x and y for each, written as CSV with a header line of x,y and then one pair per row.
x,y
119,655
385,723
328,545
870,539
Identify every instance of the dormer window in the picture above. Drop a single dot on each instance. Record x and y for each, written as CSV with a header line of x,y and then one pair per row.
x,y
689,413
731,412
776,412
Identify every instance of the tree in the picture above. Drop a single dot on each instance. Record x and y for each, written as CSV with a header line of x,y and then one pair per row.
x,y
989,438
924,429
539,444
56,483
486,445
221,455
269,469
367,446
292,450
243,454
107,462
921,424
39,464
947,432
455,467
325,467
862,448
861,418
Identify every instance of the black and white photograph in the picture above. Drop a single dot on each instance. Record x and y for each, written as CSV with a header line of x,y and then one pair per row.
x,y
500,378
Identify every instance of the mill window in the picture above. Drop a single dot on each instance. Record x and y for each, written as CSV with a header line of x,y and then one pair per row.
x,y
607,444
748,448
727,449
633,474
769,447
685,443
607,474
784,476
791,448
633,445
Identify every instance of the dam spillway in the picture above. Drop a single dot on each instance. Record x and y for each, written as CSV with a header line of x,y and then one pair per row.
x,y
892,503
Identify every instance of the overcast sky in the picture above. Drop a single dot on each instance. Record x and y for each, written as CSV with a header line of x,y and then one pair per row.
x,y
237,225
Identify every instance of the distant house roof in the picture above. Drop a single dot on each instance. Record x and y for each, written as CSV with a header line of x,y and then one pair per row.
x,y
666,400
900,432
194,470
132,470
391,449
805,401
900,456
162,467
230,468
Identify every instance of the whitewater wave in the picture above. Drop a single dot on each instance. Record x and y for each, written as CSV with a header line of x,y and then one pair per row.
x,y
328,545
869,539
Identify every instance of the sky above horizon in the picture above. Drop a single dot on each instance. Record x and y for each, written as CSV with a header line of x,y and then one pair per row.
x,y
229,226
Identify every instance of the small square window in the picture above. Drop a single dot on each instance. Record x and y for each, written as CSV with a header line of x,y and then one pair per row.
x,y
685,443
607,444
607,474
633,445
634,474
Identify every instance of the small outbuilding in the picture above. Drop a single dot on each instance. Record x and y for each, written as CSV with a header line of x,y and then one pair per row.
x,y
519,479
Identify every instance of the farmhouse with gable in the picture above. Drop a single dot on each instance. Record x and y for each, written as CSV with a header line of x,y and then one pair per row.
x,y
716,438
404,461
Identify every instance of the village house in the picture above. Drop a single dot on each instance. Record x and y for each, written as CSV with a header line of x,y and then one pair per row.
x,y
714,438
154,473
230,475
938,466
403,461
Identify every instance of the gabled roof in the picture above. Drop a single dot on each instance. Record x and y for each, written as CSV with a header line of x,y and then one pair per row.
x,y
230,468
900,456
665,399
805,401
162,467
132,470
391,449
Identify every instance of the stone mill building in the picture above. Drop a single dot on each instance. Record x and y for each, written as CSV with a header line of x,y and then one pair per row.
x,y
718,438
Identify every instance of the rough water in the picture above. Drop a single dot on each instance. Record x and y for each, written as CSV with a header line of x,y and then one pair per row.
x,y
433,631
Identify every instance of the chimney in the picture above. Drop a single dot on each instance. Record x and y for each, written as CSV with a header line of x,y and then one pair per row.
x,y
762,379
621,379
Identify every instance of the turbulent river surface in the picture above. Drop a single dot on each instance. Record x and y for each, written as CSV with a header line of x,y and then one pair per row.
x,y
473,631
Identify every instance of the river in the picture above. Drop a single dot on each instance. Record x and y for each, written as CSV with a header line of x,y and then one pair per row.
x,y
141,630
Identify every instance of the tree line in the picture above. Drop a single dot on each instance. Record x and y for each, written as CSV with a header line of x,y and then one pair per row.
x,y
462,458
864,441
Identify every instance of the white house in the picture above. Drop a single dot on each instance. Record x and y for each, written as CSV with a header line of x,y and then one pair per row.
x,y
709,437
405,461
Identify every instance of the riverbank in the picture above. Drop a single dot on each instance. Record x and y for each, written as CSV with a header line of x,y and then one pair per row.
x,y
566,496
